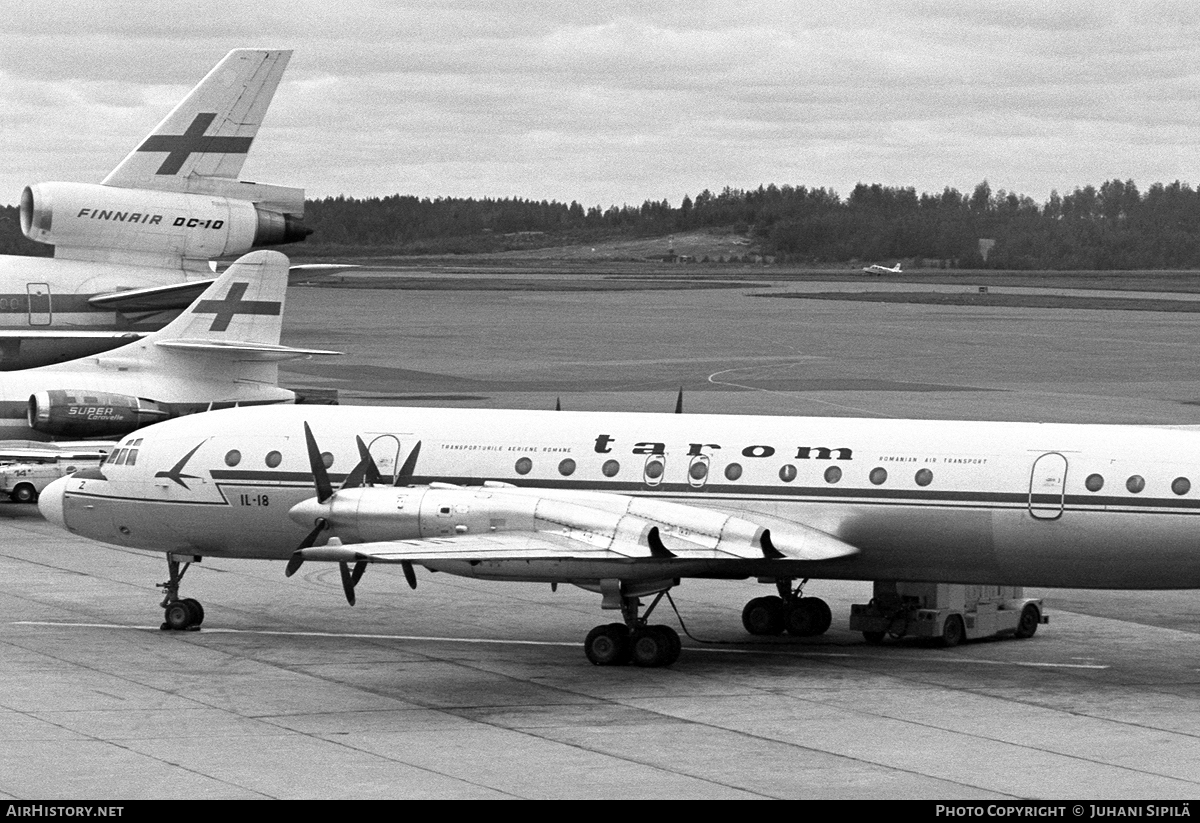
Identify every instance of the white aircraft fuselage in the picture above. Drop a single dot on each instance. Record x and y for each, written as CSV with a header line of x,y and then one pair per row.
x,y
46,292
1021,504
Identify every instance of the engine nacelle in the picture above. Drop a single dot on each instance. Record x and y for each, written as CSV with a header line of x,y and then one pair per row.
x,y
81,413
193,226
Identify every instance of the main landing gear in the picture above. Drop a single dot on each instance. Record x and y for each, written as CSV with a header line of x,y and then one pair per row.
x,y
791,612
633,641
179,615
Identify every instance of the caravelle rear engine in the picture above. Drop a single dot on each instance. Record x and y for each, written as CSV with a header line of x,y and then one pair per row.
x,y
82,413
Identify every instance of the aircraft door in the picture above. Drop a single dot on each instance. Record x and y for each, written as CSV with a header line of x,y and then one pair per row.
x,y
39,303
1047,486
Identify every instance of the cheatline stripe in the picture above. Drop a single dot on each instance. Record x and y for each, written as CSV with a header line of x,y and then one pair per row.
x,y
683,494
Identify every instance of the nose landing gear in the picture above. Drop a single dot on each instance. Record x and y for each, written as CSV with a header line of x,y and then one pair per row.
x,y
179,614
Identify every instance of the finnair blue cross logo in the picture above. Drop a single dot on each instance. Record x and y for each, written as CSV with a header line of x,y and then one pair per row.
x,y
233,304
181,146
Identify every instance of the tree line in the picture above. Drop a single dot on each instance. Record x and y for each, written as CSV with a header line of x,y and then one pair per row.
x,y
1114,226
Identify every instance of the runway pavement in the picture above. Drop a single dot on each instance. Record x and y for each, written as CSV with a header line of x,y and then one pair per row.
x,y
481,690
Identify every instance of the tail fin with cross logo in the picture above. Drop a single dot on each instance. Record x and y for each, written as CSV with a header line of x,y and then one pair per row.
x,y
209,133
239,316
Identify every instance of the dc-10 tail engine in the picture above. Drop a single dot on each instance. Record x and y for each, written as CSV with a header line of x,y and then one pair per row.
x,y
81,219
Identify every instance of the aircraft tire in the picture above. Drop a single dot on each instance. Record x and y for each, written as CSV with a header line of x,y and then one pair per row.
x,y
676,644
608,645
765,616
651,647
197,611
178,616
824,615
1031,618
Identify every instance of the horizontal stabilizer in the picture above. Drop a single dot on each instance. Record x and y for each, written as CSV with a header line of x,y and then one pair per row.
x,y
240,350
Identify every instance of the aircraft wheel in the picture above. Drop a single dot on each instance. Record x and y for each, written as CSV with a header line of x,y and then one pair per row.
x,y
24,493
953,631
808,617
608,645
873,638
178,616
197,611
651,647
765,616
676,644
1031,618
823,614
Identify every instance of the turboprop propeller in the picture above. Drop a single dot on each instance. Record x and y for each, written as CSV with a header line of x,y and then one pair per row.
x,y
364,473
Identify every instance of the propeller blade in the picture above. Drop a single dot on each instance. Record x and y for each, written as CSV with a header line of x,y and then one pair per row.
x,y
350,578
366,473
410,465
294,564
409,574
297,560
558,404
315,461
347,582
679,402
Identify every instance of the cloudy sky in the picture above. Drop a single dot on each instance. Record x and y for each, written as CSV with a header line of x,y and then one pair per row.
x,y
625,101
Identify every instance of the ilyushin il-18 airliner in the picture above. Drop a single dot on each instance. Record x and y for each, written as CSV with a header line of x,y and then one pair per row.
x,y
629,505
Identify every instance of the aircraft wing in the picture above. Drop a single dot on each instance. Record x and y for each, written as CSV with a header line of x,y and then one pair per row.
x,y
178,296
31,348
152,298
557,527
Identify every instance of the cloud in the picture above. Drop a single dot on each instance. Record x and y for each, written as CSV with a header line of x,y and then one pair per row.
x,y
620,103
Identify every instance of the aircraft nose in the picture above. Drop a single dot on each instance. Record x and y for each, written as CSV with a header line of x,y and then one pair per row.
x,y
50,502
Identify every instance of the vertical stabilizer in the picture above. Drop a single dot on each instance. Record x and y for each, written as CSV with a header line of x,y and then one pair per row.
x,y
244,304
210,132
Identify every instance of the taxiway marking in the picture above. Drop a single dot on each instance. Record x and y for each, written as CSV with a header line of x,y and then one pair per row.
x,y
776,650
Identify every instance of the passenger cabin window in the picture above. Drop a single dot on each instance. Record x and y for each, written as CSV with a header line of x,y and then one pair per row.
x,y
788,473
833,474
610,468
924,477
878,475
733,471
1181,485
567,467
274,459
1094,483
1135,483
524,466
233,457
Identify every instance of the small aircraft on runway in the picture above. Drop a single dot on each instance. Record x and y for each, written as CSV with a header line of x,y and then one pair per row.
x,y
222,351
134,250
875,268
627,505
